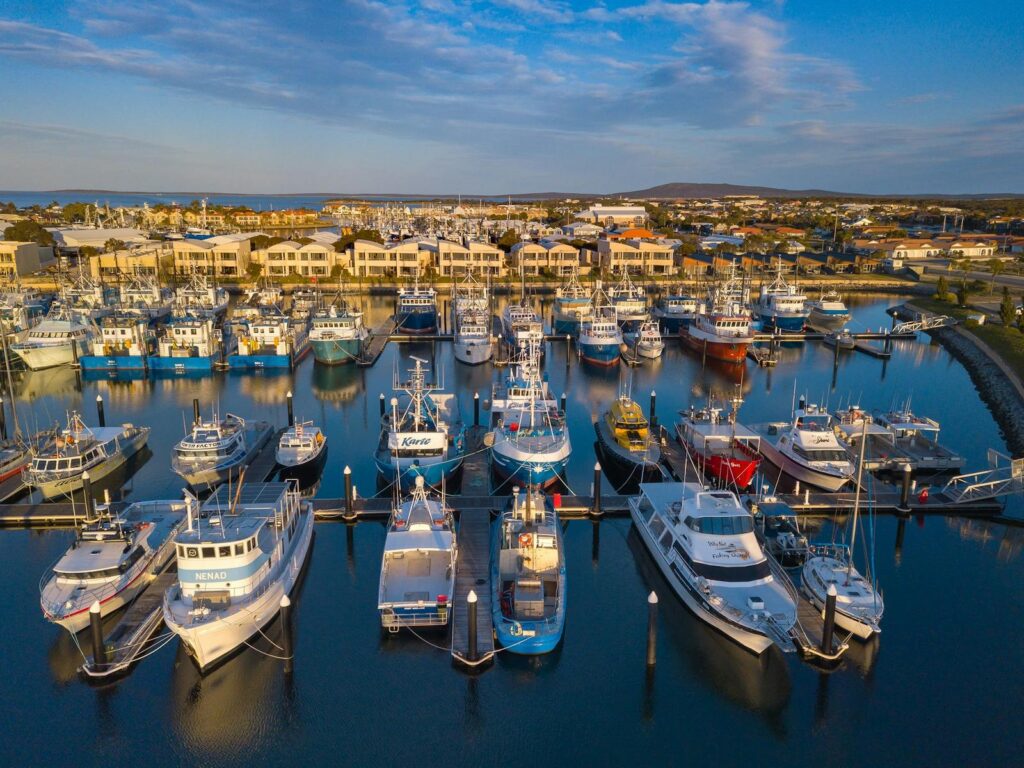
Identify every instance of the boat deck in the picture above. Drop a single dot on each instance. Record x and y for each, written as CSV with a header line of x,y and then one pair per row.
x,y
473,573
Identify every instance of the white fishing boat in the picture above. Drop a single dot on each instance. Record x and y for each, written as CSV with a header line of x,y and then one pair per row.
x,y
58,466
522,326
649,342
112,559
237,559
198,298
302,450
807,448
214,450
337,335
472,343
828,311
417,572
142,296
59,339
704,544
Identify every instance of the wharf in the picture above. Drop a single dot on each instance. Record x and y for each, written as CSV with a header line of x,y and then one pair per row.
x,y
375,343
883,353
476,472
473,573
809,630
135,628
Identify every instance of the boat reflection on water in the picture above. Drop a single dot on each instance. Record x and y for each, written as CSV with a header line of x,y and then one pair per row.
x,y
760,683
264,387
235,706
337,383
62,382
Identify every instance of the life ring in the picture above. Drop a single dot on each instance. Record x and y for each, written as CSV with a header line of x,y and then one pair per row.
x,y
525,540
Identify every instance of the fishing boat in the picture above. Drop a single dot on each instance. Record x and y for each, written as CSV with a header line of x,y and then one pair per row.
x,y
470,295
528,582
143,297
778,528
57,467
60,338
21,309
16,455
829,569
113,558
600,338
676,311
721,448
807,448
416,310
198,298
190,344
630,302
918,438
86,297
521,327
828,311
265,297
704,544
572,306
237,561
781,305
302,451
125,342
421,435
472,342
649,342
840,339
530,438
304,303
337,335
214,450
723,334
630,452
417,571
269,341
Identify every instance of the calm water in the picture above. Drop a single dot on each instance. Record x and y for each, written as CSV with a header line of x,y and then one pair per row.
x,y
940,687
24,199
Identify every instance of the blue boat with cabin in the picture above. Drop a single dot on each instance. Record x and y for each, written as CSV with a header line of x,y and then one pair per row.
x,y
571,306
190,345
416,310
269,341
782,306
126,342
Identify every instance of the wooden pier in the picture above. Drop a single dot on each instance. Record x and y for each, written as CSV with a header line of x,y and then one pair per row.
x,y
473,573
476,470
883,353
808,633
375,343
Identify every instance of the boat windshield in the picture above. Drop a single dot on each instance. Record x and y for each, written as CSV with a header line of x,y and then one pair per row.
x,y
821,454
722,525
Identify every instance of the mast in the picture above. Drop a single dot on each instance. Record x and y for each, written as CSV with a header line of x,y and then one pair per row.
x,y
856,494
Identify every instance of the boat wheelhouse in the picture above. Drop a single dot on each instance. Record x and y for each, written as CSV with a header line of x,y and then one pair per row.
x,y
649,342
630,302
190,344
703,543
528,579
125,342
238,560
807,448
269,341
828,311
572,306
57,467
113,558
417,571
302,451
522,327
676,311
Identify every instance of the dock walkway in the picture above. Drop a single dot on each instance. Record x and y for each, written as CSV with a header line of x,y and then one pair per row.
x,y
472,572
263,466
375,343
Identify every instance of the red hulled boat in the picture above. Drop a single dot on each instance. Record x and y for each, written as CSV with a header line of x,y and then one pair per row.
x,y
720,447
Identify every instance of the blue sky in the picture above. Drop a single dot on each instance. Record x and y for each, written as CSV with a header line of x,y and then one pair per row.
x,y
510,95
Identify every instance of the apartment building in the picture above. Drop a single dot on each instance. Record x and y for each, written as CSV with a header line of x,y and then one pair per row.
x,y
18,259
371,259
640,257
220,256
546,256
311,259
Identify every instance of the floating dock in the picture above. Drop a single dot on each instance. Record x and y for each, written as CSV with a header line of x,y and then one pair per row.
x,y
375,343
473,573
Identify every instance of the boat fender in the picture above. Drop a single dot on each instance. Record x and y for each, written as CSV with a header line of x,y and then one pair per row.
x,y
923,496
525,539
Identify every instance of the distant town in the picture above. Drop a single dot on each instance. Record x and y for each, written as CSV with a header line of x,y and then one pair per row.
x,y
439,240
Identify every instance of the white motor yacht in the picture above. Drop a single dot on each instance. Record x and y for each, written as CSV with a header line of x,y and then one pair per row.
x,y
808,449
214,449
62,337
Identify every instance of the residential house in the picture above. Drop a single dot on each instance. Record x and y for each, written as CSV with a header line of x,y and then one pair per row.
x,y
609,215
220,256
641,257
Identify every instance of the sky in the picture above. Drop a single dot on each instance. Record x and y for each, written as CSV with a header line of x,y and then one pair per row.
x,y
511,96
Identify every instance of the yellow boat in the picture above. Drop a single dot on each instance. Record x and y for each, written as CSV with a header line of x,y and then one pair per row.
x,y
630,453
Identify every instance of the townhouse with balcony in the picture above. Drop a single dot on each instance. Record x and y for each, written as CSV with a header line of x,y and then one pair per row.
x,y
371,259
639,257
309,259
547,257
220,256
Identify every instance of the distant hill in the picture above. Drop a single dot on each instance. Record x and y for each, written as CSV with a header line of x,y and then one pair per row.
x,y
682,189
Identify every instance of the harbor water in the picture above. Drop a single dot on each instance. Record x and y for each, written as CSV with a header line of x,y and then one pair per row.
x,y
940,685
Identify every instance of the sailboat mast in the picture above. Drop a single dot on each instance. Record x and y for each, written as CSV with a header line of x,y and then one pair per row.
x,y
856,493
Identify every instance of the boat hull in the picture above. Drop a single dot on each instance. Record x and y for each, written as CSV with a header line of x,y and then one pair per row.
x,y
599,354
308,471
650,351
726,351
114,363
623,467
405,471
726,469
420,322
784,322
828,320
257,362
50,356
520,470
565,324
182,364
336,351
211,643
473,352
800,472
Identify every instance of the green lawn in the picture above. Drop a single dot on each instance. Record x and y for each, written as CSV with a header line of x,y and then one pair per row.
x,y
1008,343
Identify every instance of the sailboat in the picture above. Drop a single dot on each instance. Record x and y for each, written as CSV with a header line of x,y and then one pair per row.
x,y
859,606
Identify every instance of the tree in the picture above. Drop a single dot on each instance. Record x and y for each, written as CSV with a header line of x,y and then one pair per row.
x,y
87,250
942,289
995,266
254,270
962,293
507,240
1007,309
113,244
345,241
74,213
28,232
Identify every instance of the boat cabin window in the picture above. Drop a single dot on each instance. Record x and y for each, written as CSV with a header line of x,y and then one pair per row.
x,y
250,545
132,559
209,551
224,551
665,542
239,549
724,525
821,454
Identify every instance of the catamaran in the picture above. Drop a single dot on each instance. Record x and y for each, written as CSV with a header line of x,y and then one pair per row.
x,y
111,560
417,571
191,344
528,581
704,544
269,341
237,560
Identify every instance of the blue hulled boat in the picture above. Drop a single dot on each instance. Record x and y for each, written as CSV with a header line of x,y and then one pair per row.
x,y
781,305
337,335
189,345
270,341
421,435
572,306
676,311
600,338
126,342
528,575
630,302
416,310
